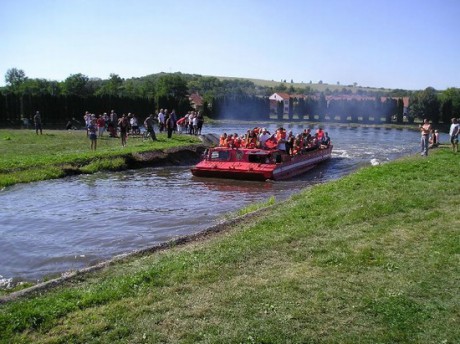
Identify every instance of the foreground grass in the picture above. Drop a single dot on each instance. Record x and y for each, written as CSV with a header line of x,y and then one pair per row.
x,y
370,258
26,157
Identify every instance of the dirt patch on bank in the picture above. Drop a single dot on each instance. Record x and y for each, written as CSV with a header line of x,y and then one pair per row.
x,y
174,156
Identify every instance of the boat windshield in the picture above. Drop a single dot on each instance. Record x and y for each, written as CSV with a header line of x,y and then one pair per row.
x,y
259,158
219,155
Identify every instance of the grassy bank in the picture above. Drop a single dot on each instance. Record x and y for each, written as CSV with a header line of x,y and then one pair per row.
x,y
26,157
370,258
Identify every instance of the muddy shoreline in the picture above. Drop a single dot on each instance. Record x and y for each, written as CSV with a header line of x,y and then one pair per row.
x,y
174,156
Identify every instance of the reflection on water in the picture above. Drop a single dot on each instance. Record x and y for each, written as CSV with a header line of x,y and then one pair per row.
x,y
59,225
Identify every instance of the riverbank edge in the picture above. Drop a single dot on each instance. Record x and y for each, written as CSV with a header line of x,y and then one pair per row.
x,y
181,155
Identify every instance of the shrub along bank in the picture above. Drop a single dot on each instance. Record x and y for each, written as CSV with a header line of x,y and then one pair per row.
x,y
370,258
27,157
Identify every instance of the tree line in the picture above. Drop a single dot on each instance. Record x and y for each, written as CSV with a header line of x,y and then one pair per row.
x,y
222,98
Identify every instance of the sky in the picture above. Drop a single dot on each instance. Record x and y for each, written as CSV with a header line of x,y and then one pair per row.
x,y
406,44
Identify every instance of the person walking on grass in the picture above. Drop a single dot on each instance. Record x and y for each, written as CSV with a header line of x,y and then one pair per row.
x,y
148,124
453,133
38,123
92,130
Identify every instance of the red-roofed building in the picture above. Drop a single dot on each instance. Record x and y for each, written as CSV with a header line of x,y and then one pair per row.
x,y
275,98
196,101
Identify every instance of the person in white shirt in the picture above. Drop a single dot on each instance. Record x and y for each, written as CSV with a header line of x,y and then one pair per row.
x,y
453,132
161,120
263,137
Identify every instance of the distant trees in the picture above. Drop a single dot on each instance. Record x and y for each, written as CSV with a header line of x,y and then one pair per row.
x,y
220,95
434,105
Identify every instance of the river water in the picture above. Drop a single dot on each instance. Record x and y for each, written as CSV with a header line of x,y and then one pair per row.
x,y
50,227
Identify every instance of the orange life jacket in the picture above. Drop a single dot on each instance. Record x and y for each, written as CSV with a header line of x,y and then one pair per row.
x,y
223,141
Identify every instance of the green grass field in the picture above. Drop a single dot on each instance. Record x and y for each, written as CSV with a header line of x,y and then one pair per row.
x,y
26,157
370,258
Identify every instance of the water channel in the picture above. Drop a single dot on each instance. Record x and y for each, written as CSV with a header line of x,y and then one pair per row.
x,y
50,227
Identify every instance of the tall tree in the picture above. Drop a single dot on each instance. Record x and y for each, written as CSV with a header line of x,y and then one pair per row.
x,y
171,85
450,103
76,84
14,78
430,104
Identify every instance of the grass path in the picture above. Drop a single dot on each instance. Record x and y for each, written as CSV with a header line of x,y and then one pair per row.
x,y
370,258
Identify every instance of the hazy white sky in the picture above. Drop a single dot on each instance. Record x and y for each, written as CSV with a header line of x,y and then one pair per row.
x,y
409,44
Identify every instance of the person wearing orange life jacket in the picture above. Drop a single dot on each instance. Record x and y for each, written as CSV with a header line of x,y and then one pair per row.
x,y
320,134
236,141
230,141
251,139
223,140
281,138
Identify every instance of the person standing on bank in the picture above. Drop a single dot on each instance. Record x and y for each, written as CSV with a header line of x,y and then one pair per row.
x,y
92,130
425,130
148,124
169,123
38,123
453,133
123,123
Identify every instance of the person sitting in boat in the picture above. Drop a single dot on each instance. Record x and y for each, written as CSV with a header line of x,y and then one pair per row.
x,y
236,141
271,142
251,139
312,144
306,136
319,134
298,145
230,141
326,141
263,137
223,140
243,141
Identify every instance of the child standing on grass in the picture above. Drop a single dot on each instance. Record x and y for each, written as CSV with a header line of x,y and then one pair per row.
x,y
92,129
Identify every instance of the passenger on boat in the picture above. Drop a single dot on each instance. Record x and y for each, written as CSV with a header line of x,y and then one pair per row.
x,y
312,144
272,142
290,142
319,134
236,141
306,137
298,145
281,138
223,140
326,141
230,141
251,139
263,137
